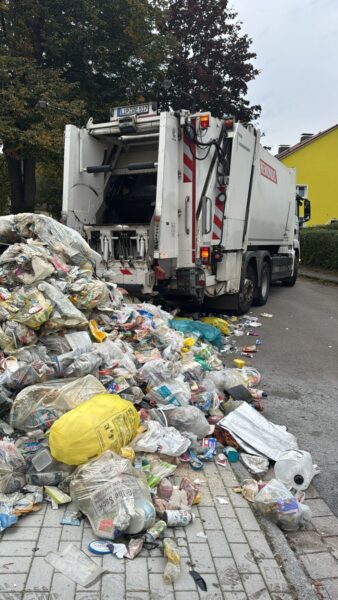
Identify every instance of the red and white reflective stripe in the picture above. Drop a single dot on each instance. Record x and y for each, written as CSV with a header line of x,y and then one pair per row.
x,y
187,161
125,272
217,226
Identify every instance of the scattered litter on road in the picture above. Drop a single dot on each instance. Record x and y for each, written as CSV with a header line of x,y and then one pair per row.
x,y
202,535
200,582
222,500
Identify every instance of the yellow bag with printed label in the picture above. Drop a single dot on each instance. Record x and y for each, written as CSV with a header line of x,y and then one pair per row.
x,y
104,422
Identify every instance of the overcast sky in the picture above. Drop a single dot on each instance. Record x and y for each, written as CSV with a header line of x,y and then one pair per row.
x,y
296,42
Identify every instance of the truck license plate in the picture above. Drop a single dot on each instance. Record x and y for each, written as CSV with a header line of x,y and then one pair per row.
x,y
137,109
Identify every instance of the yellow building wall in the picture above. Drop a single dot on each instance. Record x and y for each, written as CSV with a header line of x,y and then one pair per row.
x,y
316,166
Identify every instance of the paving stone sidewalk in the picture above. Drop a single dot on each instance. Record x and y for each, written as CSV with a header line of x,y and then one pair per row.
x,y
317,547
234,558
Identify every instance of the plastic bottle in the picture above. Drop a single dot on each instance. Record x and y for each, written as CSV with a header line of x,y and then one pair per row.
x,y
173,567
295,469
231,453
155,531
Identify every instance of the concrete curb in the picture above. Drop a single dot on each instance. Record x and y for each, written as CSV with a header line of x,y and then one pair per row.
x,y
319,276
284,555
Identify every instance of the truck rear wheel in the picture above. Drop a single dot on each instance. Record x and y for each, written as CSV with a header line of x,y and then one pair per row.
x,y
290,281
247,291
264,288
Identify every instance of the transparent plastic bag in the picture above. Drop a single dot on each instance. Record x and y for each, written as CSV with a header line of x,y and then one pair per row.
x,y
8,231
28,374
113,495
59,238
176,393
85,364
30,307
38,406
277,503
26,264
158,371
65,314
87,295
55,343
164,440
188,418
12,468
19,334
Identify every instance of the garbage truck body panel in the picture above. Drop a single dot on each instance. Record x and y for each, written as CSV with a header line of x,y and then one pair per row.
x,y
187,205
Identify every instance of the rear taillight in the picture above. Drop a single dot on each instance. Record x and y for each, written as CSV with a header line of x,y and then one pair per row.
x,y
205,255
204,121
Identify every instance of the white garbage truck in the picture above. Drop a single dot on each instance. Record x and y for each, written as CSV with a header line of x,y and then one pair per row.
x,y
183,205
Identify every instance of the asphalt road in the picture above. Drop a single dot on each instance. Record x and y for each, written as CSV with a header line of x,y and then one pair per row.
x,y
299,365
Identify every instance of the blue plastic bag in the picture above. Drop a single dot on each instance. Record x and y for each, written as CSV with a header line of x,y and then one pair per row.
x,y
204,330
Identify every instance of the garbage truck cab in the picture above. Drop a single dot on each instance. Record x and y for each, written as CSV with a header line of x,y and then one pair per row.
x,y
182,204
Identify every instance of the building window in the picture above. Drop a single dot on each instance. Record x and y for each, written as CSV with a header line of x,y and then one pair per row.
x,y
302,190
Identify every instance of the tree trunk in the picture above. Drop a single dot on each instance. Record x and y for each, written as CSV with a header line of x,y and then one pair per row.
x,y
16,183
21,175
29,184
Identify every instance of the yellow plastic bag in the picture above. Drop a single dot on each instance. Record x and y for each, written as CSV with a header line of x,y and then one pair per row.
x,y
220,324
105,422
97,334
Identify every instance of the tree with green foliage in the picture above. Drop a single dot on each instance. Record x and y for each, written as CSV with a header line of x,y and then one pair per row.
x,y
114,50
211,68
84,53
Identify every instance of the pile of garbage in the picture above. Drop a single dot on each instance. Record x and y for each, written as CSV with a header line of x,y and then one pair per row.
x,y
102,398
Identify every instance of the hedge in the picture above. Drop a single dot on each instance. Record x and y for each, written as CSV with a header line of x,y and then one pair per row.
x,y
319,246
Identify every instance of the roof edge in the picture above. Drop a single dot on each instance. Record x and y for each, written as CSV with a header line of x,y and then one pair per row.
x,y
300,145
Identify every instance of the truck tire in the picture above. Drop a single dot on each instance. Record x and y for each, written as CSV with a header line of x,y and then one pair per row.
x,y
247,291
290,281
264,288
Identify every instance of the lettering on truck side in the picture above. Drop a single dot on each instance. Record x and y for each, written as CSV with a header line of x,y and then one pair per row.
x,y
268,171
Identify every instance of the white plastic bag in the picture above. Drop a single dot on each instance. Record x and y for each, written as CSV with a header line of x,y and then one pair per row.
x,y
12,468
164,440
188,419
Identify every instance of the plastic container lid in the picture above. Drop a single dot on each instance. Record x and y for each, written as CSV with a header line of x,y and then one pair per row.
x,y
41,460
99,546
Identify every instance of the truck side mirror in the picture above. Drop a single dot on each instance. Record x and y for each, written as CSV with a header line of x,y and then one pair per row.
x,y
307,210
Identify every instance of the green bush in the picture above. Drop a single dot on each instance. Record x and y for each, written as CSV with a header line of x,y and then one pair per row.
x,y
319,246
